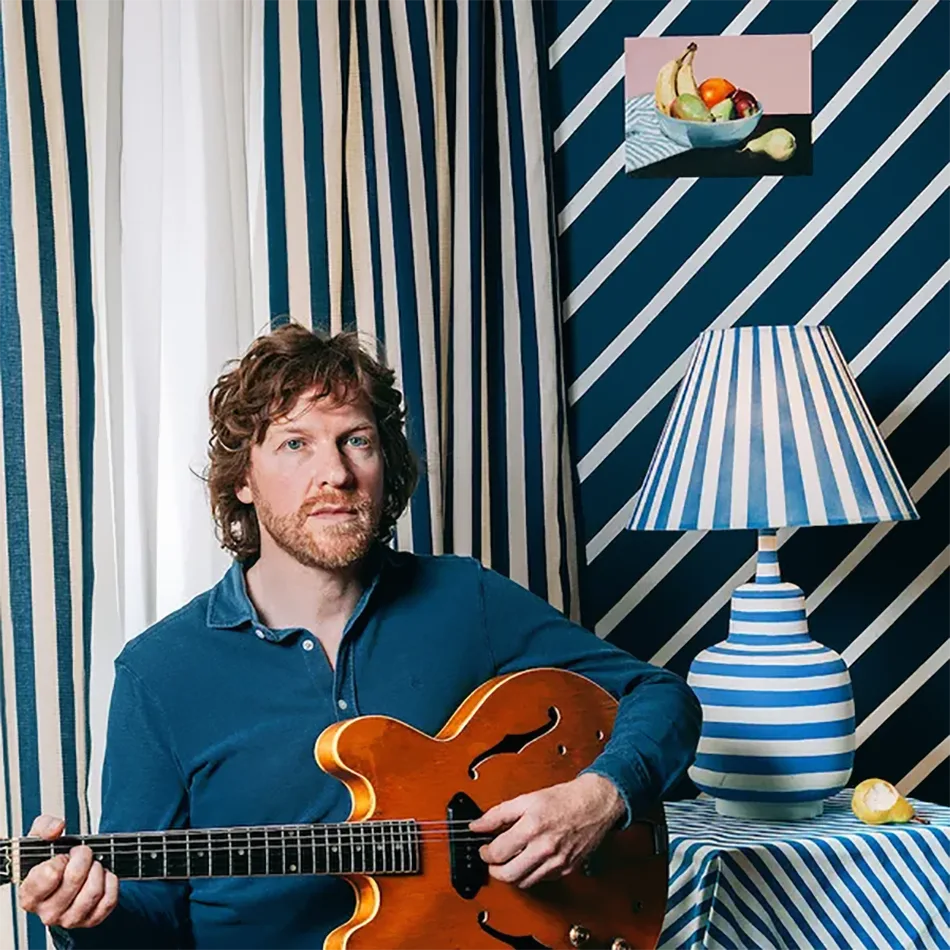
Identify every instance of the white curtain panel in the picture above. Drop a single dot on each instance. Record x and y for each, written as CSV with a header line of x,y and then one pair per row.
x,y
173,110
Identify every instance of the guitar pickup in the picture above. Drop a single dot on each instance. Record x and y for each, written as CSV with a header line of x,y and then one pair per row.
x,y
469,871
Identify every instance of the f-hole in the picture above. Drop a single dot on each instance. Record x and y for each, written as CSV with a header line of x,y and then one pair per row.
x,y
523,942
513,744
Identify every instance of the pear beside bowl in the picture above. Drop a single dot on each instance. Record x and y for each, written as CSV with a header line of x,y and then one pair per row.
x,y
708,134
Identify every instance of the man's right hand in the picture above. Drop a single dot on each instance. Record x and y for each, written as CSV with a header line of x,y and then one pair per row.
x,y
68,891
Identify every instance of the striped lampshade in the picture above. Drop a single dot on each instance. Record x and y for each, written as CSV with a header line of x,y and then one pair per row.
x,y
769,430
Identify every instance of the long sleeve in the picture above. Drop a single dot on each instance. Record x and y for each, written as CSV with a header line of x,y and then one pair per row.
x,y
143,790
658,719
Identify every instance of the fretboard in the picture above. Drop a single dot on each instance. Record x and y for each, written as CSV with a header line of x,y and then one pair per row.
x,y
370,847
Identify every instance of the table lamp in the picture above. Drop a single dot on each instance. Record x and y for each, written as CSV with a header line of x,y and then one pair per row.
x,y
769,430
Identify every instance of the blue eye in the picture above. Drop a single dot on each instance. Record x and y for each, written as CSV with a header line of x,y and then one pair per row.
x,y
358,441
294,444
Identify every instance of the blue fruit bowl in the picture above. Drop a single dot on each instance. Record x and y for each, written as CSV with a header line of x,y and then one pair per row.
x,y
707,134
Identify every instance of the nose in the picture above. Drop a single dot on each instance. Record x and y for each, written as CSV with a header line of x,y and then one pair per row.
x,y
331,467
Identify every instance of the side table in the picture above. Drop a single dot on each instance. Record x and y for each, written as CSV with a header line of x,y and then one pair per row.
x,y
825,882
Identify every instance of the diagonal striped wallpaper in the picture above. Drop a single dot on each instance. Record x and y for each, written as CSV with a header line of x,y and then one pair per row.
x,y
861,246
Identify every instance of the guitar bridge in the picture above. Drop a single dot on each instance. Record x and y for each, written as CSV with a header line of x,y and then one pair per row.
x,y
469,871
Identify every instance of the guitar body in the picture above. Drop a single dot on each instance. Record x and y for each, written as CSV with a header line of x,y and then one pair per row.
x,y
515,734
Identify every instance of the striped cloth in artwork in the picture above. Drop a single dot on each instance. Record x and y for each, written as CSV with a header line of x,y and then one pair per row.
x,y
644,142
409,198
831,881
46,435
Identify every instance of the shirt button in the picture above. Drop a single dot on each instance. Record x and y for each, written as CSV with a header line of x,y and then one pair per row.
x,y
341,703
308,644
260,633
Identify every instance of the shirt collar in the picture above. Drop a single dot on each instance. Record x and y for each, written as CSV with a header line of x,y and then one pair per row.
x,y
230,607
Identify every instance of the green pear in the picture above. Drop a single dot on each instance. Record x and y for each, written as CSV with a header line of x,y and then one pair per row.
x,y
690,107
723,111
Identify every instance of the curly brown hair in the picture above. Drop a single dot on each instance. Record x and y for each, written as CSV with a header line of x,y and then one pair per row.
x,y
263,386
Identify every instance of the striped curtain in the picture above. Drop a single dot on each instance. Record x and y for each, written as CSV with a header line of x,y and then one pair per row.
x,y
409,198
46,400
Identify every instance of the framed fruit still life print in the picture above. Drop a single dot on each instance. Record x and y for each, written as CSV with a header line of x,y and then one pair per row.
x,y
717,106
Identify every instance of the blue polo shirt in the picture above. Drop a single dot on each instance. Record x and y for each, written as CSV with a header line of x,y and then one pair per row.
x,y
214,716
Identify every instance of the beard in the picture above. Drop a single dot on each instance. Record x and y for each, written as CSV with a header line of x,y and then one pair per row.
x,y
326,546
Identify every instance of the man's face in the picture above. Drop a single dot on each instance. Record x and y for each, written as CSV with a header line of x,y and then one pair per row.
x,y
316,481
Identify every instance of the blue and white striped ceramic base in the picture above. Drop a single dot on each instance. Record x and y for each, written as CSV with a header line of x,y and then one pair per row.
x,y
778,712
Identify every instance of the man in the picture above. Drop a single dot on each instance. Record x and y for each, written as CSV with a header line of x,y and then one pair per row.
x,y
216,708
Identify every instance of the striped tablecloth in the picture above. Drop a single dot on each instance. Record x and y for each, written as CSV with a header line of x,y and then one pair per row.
x,y
827,882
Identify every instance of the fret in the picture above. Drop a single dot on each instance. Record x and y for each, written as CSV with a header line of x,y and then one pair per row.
x,y
164,855
361,847
112,853
333,854
138,840
219,850
390,847
346,849
417,842
258,850
313,848
379,849
175,854
249,852
368,849
230,855
324,850
299,853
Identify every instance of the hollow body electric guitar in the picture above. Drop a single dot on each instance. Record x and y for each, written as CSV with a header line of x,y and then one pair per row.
x,y
406,848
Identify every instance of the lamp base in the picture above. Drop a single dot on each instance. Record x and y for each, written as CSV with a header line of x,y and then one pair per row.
x,y
769,811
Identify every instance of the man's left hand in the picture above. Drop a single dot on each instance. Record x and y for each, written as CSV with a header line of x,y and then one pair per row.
x,y
548,832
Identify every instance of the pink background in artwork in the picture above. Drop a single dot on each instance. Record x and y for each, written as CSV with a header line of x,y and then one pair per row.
x,y
776,69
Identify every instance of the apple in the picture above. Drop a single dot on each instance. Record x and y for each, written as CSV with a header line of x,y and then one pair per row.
x,y
745,103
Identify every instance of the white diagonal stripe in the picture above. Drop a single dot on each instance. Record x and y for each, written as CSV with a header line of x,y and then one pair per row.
x,y
582,22
621,250
668,380
598,92
575,30
872,633
916,396
590,190
875,536
890,330
757,194
590,283
594,97
676,552
600,541
937,756
863,265
903,692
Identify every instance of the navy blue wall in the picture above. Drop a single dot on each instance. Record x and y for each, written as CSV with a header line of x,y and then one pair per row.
x,y
880,189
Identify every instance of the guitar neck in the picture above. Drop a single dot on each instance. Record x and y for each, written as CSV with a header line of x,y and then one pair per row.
x,y
371,847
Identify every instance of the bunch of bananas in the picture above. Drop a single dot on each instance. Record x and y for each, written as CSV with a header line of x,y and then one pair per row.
x,y
676,78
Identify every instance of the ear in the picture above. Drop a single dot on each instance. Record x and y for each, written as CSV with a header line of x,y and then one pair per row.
x,y
243,494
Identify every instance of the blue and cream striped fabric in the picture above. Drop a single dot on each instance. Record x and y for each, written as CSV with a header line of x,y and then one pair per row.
x,y
769,430
644,141
409,198
47,400
830,882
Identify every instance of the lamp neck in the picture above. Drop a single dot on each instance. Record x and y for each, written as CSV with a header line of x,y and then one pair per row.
x,y
766,564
